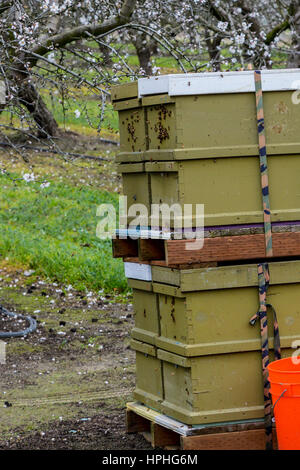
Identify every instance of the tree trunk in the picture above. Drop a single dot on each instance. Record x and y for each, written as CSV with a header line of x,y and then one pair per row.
x,y
144,57
29,97
143,51
214,51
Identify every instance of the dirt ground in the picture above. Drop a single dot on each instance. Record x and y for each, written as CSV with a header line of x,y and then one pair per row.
x,y
66,385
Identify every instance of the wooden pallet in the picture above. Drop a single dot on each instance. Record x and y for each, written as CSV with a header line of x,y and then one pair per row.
x,y
167,433
163,264
215,250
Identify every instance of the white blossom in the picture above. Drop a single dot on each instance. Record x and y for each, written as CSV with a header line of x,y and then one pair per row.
x,y
29,177
222,25
253,43
46,184
54,8
155,70
240,38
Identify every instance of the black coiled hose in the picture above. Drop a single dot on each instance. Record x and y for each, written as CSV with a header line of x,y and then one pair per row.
x,y
9,334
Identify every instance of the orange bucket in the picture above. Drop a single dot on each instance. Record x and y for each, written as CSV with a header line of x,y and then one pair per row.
x,y
284,377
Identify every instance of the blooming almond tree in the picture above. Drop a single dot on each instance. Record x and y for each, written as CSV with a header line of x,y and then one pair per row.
x,y
221,34
51,49
30,32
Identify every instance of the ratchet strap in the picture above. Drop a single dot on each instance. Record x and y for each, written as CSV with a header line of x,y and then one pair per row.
x,y
263,284
263,163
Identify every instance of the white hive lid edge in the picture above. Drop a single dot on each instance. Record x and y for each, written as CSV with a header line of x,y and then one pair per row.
x,y
141,272
218,82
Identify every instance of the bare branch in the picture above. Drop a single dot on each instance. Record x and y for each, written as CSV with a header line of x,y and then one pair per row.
x,y
84,31
5,6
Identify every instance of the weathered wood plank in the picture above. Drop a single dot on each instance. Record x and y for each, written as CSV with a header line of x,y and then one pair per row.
x,y
126,104
151,249
239,440
138,284
124,248
165,432
175,253
136,423
165,275
232,248
175,266
162,437
167,290
224,277
124,91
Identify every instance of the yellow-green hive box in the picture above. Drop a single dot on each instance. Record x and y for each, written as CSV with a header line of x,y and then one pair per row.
x,y
229,188
149,377
206,115
201,339
202,389
145,303
201,312
192,139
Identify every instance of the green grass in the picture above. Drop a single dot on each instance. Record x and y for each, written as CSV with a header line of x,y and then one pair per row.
x,y
46,229
64,113
90,112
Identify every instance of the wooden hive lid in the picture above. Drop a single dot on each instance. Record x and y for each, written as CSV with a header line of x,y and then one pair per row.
x,y
218,82
124,91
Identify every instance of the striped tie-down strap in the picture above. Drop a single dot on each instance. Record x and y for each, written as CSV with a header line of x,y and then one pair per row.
x,y
263,163
263,283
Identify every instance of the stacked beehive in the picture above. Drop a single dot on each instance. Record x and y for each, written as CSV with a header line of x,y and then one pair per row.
x,y
193,139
